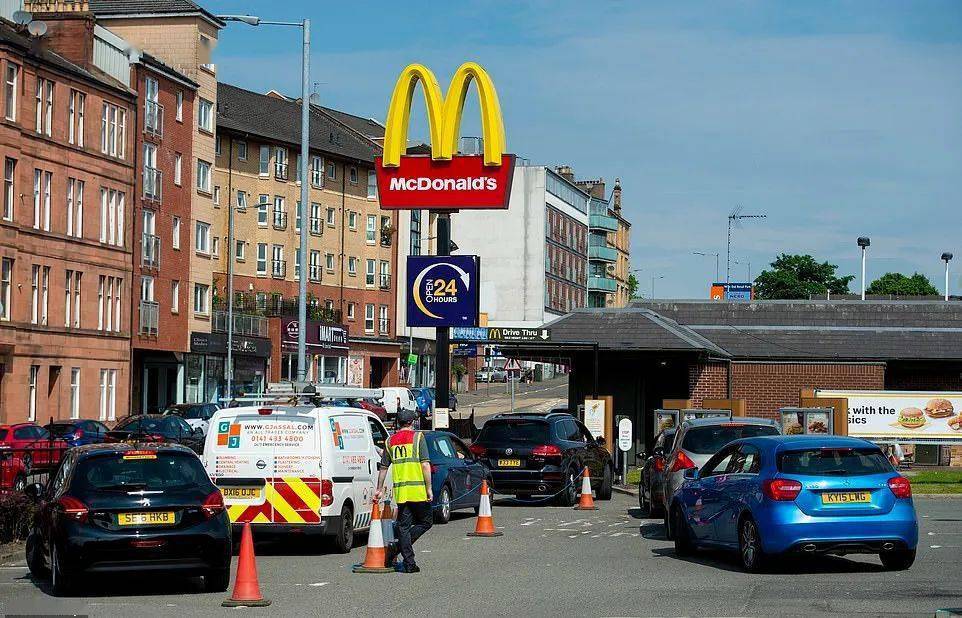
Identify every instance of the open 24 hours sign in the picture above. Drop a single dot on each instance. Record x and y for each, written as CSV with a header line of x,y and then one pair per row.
x,y
443,290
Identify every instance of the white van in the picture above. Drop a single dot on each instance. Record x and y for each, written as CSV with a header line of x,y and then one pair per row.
x,y
285,467
395,396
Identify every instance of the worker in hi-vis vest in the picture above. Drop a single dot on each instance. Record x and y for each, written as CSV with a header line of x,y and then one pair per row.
x,y
407,456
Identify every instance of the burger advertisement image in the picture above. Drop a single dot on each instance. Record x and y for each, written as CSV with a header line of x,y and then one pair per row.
x,y
905,415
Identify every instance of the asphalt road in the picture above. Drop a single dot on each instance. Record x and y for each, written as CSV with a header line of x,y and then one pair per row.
x,y
550,561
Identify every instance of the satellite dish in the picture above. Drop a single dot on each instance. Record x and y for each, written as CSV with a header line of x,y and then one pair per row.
x,y
22,17
37,28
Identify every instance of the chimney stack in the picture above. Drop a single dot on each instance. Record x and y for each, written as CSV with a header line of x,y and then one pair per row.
x,y
616,197
566,172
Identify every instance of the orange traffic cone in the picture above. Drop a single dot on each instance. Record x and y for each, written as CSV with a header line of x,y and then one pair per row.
x,y
247,592
485,525
376,557
587,501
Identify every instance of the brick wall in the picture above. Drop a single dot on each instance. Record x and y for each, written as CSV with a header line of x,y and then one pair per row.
x,y
707,381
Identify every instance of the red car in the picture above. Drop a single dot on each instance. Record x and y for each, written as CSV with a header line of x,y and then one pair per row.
x,y
371,406
13,474
32,444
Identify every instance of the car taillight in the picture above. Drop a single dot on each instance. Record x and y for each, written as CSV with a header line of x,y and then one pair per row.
x,y
682,462
900,486
213,504
78,433
73,509
546,451
782,490
659,464
327,492
478,450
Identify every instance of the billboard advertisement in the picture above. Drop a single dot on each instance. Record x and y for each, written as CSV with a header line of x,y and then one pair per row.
x,y
909,416
735,291
442,290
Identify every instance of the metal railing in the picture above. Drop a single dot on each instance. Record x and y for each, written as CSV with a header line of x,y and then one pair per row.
x,y
149,318
280,171
280,220
150,253
244,324
384,325
153,182
154,118
314,273
278,269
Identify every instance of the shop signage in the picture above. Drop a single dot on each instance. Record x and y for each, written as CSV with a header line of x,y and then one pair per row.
x,y
446,180
216,343
595,416
906,416
501,334
321,336
732,291
443,290
412,359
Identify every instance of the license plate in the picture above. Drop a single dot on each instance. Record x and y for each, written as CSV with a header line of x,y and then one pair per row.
x,y
241,493
509,463
154,518
846,497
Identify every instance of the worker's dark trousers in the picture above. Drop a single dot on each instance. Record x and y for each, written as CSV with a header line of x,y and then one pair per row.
x,y
413,520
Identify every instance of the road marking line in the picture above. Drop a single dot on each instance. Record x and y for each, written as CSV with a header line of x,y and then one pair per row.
x,y
533,521
945,533
318,584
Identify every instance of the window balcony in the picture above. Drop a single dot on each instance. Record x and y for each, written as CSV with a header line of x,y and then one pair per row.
x,y
149,318
314,273
603,254
603,222
244,324
384,326
278,269
153,119
150,252
601,284
280,171
280,220
153,181
315,225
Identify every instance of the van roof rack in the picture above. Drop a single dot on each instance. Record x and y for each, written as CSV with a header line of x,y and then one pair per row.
x,y
294,393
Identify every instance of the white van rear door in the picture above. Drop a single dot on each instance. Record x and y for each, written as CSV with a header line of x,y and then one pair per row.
x,y
353,465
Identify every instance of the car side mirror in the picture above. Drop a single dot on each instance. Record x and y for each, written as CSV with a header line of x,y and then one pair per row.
x,y
691,474
33,491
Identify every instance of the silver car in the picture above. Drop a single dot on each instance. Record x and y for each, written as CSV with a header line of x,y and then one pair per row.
x,y
698,439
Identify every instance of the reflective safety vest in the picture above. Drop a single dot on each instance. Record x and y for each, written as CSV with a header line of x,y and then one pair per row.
x,y
406,467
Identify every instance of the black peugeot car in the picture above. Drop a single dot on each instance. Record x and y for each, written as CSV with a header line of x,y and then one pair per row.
x,y
139,508
531,454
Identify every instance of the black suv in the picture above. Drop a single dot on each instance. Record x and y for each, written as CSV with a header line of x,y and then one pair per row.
x,y
532,454
138,508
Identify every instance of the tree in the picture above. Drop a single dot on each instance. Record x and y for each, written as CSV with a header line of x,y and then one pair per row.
x,y
798,277
897,284
632,286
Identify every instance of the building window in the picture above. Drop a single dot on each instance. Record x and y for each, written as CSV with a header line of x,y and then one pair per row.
x,y
112,217
265,161
44,96
382,320
331,213
203,176
75,392
297,265
280,215
317,171
205,115
369,318
261,258
179,106
35,294
32,393
352,266
241,151
6,284
108,394
350,310
175,296
240,250
75,122
10,90
315,266
329,262
371,229
113,130
9,187
278,265
415,232
178,168
68,297
75,207
217,145
371,184
216,195
297,216
280,163
201,298
241,200
108,304
352,177
369,272
385,274
352,220
202,237
315,218
215,246
175,233
331,170
41,199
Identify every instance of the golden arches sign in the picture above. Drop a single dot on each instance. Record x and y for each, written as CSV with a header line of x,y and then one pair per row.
x,y
444,113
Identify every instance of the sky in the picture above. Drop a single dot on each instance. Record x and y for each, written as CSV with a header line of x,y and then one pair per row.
x,y
835,119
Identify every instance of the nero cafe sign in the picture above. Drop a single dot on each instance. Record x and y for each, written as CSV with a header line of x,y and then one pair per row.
x,y
446,180
442,290
505,334
320,336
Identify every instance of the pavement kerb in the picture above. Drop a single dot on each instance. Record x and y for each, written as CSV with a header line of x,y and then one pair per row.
x,y
628,491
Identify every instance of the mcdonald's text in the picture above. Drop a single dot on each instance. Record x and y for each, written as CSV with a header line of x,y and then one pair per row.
x,y
463,182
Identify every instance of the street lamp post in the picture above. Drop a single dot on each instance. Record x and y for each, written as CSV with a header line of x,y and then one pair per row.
x,y
946,257
305,27
716,261
863,242
653,277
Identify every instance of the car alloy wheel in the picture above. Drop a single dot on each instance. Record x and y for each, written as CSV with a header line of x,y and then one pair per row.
x,y
444,506
750,545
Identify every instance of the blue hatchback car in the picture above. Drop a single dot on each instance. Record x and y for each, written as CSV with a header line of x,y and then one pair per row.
x,y
456,475
797,494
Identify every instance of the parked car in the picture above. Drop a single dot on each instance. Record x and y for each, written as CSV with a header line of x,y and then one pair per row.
x,y
157,428
482,375
33,444
769,496
456,475
141,508
499,375
196,414
371,405
698,439
395,397
651,486
13,474
543,454
77,432
452,398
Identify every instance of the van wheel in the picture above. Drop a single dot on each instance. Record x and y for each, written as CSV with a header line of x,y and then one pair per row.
x,y
442,512
344,539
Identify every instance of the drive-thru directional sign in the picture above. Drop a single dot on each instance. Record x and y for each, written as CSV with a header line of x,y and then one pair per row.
x,y
505,334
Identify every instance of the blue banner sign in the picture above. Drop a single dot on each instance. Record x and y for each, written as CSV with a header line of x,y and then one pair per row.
x,y
443,290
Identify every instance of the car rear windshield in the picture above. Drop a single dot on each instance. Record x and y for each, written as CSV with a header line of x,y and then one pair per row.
x,y
834,462
535,432
135,470
61,429
710,439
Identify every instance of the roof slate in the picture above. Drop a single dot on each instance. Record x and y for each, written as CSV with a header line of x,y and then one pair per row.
x,y
106,8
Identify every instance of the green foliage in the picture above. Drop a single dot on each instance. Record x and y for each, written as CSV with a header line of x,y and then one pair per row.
x,y
16,516
632,286
798,277
897,284
459,370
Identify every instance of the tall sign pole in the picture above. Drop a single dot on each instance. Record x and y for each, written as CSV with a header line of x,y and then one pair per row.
x,y
442,360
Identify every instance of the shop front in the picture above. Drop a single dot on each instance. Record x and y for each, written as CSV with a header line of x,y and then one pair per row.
x,y
327,350
206,366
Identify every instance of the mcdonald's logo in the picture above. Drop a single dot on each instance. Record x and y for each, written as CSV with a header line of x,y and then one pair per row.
x,y
446,180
